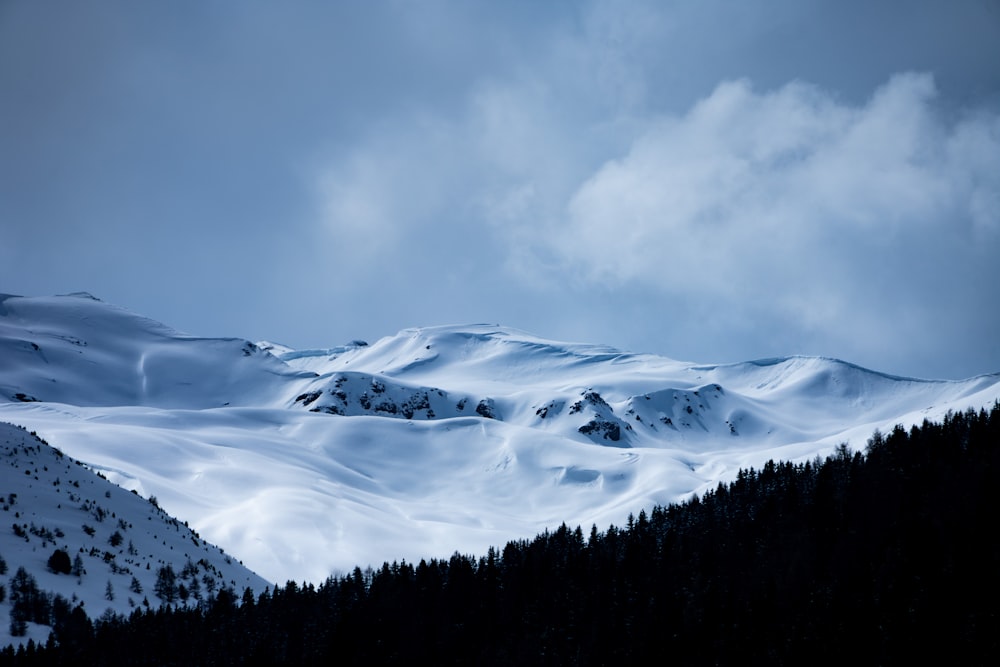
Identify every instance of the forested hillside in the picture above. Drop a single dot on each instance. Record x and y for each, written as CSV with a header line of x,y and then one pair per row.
x,y
874,556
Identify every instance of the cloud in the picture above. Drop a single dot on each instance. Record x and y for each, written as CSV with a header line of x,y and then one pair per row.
x,y
792,218
790,201
531,163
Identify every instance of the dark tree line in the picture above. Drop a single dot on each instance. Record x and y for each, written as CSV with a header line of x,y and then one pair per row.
x,y
877,558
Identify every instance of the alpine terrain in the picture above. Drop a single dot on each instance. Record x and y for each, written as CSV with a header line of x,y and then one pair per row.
x,y
70,533
306,463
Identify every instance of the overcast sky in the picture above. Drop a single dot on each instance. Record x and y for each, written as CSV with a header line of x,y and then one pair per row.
x,y
708,180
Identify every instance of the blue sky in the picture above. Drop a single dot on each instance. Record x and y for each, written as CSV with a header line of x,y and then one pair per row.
x,y
713,181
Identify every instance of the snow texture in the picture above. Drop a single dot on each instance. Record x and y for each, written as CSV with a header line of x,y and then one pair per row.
x,y
115,541
434,440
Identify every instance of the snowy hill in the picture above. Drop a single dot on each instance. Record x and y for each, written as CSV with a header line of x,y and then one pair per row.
x,y
76,349
113,543
307,462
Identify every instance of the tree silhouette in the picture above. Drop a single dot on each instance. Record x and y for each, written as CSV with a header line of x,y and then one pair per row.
x,y
59,562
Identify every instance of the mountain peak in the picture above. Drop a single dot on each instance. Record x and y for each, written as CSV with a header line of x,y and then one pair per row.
x,y
81,295
432,440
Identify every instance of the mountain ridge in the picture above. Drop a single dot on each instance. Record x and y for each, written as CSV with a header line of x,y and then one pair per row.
x,y
435,439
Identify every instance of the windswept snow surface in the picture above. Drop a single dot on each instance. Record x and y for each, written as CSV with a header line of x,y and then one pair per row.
x,y
435,440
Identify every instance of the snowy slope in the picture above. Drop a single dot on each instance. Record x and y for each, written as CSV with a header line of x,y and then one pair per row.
x,y
50,502
423,443
76,349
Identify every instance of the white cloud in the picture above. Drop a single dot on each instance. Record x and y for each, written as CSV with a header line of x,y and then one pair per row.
x,y
972,152
787,211
385,198
578,169
357,206
776,196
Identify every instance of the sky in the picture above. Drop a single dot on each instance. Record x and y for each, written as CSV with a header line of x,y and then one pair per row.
x,y
708,180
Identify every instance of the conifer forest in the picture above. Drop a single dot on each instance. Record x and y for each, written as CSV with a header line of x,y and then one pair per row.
x,y
873,557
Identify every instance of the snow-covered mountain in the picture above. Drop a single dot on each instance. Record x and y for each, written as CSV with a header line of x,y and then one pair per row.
x,y
93,543
431,441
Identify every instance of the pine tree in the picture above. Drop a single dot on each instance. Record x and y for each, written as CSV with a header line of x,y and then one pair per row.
x,y
166,584
59,562
77,570
27,603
